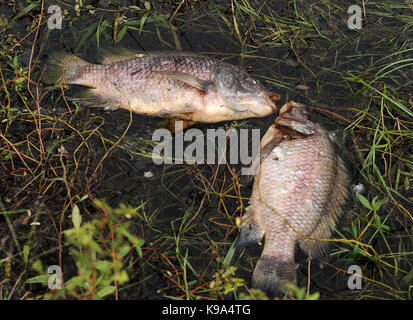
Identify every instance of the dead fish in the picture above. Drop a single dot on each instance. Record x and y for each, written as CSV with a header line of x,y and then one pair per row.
x,y
298,195
172,85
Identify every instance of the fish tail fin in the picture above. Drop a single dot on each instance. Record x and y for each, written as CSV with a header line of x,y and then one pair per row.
x,y
271,274
251,231
63,67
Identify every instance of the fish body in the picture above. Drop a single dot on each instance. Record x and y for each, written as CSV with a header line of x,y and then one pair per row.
x,y
298,194
174,85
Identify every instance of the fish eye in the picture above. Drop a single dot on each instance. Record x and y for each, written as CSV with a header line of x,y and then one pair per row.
x,y
253,84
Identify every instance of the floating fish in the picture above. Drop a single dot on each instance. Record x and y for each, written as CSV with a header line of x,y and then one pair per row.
x,y
171,85
298,195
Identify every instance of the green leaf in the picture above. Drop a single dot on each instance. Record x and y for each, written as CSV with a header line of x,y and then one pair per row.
x,y
228,288
355,252
376,204
124,250
230,254
142,22
88,32
38,266
387,228
121,277
76,217
364,201
105,292
26,250
25,10
314,296
121,33
50,148
13,211
354,228
103,265
43,278
137,242
84,197
77,282
379,223
15,63
147,5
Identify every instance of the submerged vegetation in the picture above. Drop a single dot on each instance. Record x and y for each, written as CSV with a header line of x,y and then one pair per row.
x,y
78,188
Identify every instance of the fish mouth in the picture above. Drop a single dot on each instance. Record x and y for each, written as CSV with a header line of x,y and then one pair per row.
x,y
267,101
275,98
264,104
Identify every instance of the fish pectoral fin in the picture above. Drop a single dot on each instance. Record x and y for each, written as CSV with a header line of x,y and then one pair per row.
x,y
180,114
268,142
188,79
237,108
269,146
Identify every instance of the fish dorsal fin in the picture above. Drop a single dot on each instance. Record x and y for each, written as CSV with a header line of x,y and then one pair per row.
x,y
188,79
330,215
112,55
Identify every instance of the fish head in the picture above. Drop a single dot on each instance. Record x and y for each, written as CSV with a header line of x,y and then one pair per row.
x,y
297,117
242,93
